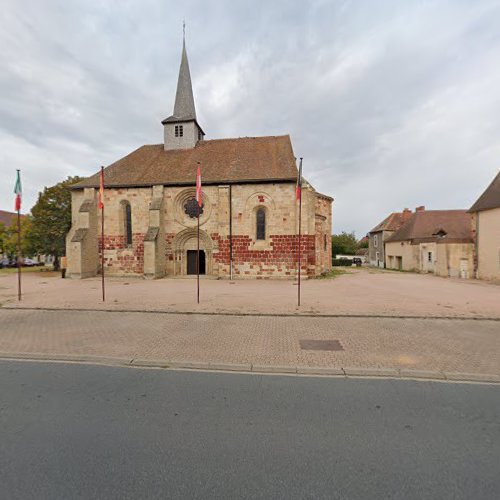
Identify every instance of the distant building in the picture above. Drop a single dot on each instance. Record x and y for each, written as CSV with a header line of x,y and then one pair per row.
x,y
8,218
380,233
433,241
486,225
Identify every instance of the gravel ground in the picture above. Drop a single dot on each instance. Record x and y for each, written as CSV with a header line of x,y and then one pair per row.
x,y
361,291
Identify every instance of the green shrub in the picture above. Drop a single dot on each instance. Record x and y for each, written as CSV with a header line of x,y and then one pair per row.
x,y
341,262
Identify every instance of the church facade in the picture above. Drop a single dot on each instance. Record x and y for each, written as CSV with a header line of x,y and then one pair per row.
x,y
248,220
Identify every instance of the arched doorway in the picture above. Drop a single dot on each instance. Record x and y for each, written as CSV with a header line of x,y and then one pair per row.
x,y
184,247
191,262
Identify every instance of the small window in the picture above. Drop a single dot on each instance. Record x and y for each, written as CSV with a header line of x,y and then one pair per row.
x,y
261,224
179,130
324,242
375,240
429,256
128,224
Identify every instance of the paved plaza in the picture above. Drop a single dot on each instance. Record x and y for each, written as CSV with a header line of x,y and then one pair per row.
x,y
359,292
439,347
394,324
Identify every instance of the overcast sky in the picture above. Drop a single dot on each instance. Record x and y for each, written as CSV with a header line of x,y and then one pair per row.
x,y
392,104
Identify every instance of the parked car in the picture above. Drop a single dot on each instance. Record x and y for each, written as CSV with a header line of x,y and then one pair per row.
x,y
356,261
7,263
30,263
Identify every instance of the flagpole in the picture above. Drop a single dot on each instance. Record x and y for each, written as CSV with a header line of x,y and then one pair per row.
x,y
198,259
102,235
199,203
18,245
300,229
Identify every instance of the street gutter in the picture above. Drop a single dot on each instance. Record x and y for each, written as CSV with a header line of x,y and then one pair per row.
x,y
248,368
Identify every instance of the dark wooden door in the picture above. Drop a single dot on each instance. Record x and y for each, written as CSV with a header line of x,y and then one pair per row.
x,y
191,261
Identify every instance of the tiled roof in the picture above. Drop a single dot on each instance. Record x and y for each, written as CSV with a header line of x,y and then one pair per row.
x,y
490,198
247,159
454,225
8,218
393,222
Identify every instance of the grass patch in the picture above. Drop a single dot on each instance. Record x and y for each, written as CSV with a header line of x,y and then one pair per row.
x,y
34,269
334,273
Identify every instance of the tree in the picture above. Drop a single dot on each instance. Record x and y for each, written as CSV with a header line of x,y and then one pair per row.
x,y
51,220
3,236
8,239
344,244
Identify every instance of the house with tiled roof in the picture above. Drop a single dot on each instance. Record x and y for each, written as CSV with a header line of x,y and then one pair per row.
x,y
380,233
8,218
433,241
248,220
486,225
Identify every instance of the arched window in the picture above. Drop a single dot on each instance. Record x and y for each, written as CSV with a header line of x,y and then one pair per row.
x,y
127,222
261,224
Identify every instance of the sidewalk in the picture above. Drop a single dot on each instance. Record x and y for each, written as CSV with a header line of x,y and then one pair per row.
x,y
360,292
417,348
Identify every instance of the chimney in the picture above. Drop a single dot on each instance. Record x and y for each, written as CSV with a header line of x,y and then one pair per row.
x,y
407,211
420,209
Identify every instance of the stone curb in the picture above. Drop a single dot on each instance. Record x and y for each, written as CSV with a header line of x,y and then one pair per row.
x,y
472,377
77,358
273,369
408,373
271,315
320,370
371,372
347,372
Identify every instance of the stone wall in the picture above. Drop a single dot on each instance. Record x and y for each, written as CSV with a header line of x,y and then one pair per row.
x,y
448,259
408,253
488,244
166,245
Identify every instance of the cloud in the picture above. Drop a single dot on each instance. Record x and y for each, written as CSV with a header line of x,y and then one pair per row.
x,y
391,104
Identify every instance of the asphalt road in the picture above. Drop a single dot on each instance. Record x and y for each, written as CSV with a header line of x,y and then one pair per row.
x,y
82,431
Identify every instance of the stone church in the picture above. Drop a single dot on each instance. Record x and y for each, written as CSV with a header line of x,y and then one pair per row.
x,y
248,221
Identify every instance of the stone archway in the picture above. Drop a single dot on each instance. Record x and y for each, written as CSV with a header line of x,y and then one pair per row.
x,y
186,241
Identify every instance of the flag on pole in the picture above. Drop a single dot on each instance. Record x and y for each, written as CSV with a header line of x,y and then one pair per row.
x,y
100,202
18,190
199,196
298,189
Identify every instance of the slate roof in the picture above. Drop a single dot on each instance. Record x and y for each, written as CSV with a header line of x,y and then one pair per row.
x,y
393,222
247,159
184,108
8,218
424,227
490,198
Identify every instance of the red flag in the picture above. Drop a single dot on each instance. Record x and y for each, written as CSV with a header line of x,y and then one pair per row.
x,y
100,203
298,189
199,196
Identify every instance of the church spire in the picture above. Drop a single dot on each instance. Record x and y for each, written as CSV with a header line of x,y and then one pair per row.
x,y
184,100
181,130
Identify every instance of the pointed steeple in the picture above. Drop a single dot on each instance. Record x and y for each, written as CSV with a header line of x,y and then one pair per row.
x,y
184,101
181,130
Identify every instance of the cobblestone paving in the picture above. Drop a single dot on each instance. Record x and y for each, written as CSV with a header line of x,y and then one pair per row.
x,y
468,346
